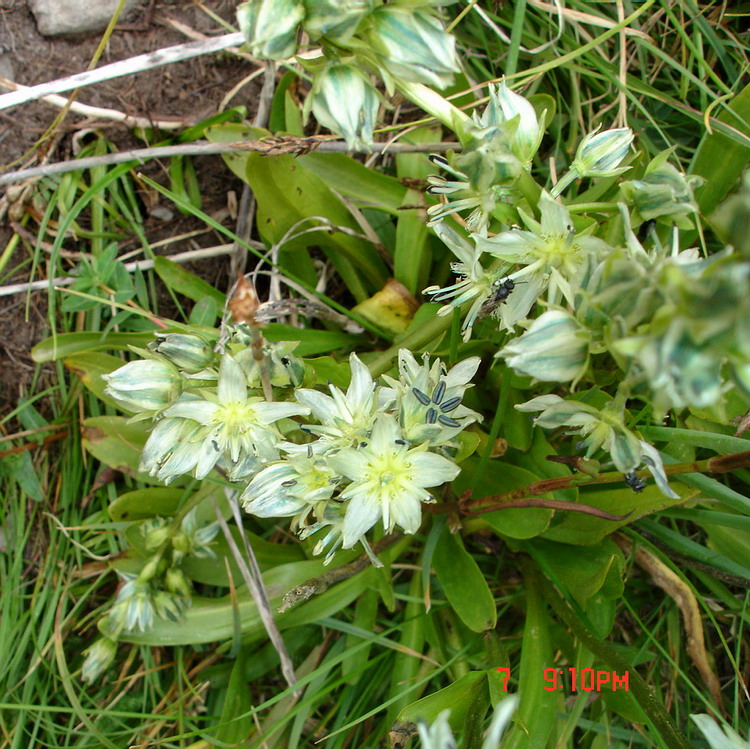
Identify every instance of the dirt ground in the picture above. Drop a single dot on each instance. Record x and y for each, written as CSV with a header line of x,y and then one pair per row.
x,y
190,90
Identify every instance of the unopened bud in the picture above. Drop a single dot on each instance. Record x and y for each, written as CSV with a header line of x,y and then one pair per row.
x,y
189,353
345,102
144,385
270,27
600,153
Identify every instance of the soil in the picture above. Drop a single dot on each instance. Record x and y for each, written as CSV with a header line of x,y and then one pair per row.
x,y
190,90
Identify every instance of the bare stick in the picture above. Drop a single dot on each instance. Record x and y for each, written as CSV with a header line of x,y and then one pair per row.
x,y
125,67
268,146
252,576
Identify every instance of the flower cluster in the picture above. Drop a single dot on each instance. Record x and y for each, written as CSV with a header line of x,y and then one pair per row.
x,y
402,41
365,455
376,450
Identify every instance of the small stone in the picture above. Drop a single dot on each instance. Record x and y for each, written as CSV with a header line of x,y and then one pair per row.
x,y
54,17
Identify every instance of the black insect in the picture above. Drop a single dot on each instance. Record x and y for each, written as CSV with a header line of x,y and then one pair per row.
x,y
501,290
634,482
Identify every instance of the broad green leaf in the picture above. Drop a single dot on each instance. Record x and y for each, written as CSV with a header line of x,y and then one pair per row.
x,y
353,180
584,530
287,193
205,311
236,720
326,369
535,716
145,503
311,342
731,542
458,698
184,282
721,443
464,584
498,477
213,619
20,468
277,120
116,443
412,257
583,570
720,159
66,344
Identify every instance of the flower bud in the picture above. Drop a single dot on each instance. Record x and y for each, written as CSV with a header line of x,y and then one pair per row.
x,y
270,27
554,349
337,20
145,385
599,153
98,658
176,582
344,101
663,194
506,106
189,353
414,46
167,606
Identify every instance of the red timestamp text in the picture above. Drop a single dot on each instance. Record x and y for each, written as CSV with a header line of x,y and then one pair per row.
x,y
584,680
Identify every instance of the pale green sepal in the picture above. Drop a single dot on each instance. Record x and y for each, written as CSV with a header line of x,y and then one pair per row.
x,y
270,27
600,153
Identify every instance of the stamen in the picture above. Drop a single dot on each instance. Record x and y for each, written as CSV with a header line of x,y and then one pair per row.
x,y
291,482
446,421
431,416
421,397
438,392
450,405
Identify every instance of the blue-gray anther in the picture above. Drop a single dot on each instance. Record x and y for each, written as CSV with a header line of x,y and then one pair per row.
x,y
431,416
446,421
450,405
291,482
438,392
636,483
421,397
400,442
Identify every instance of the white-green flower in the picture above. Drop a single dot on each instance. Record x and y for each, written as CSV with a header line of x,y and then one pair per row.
x,y
599,154
481,200
389,481
344,101
439,736
290,486
337,20
345,419
413,46
133,610
552,256
226,425
719,737
98,658
189,353
475,284
601,429
144,386
506,106
429,398
270,27
555,348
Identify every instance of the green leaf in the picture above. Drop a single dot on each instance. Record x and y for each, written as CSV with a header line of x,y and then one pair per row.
x,y
236,720
205,311
496,477
116,443
20,468
731,542
720,159
311,342
213,619
464,584
584,530
412,257
184,282
65,344
458,698
145,503
355,181
583,570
